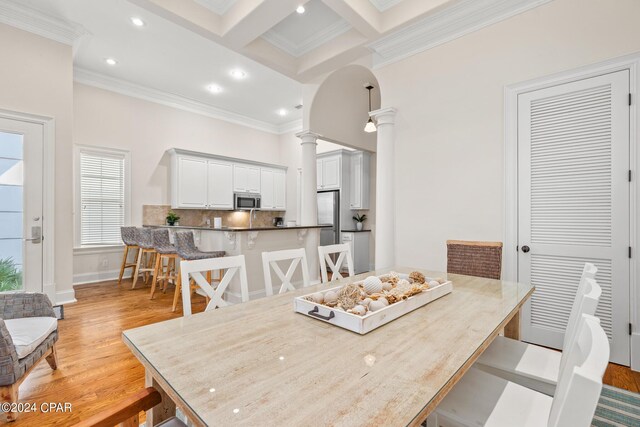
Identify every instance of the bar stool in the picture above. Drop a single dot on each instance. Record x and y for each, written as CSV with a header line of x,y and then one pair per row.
x,y
165,251
146,254
129,239
187,250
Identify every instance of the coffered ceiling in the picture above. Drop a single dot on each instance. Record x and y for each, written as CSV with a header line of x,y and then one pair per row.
x,y
244,60
383,5
331,33
217,6
298,34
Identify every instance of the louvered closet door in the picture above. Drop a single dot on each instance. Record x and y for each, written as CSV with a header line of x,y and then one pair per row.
x,y
573,162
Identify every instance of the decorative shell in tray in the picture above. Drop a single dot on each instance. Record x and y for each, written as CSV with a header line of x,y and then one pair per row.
x,y
416,277
372,285
375,293
349,296
331,298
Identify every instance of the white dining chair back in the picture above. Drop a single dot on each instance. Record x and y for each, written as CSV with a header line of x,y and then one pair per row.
x,y
533,366
588,273
580,383
298,257
344,254
193,269
585,305
480,398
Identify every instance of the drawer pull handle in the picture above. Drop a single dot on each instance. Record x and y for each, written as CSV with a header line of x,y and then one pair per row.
x,y
315,313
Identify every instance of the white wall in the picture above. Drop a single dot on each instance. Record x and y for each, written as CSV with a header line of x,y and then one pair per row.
x,y
36,78
449,128
338,107
107,119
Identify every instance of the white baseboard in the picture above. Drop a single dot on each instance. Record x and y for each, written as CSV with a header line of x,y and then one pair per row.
x,y
635,351
98,276
65,297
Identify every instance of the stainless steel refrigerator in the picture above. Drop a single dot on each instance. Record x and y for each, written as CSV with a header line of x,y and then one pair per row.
x,y
329,213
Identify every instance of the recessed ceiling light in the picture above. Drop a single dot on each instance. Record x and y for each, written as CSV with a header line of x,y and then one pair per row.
x,y
137,21
238,74
300,9
213,88
282,112
110,61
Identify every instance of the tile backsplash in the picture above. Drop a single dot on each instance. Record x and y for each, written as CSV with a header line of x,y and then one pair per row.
x,y
156,215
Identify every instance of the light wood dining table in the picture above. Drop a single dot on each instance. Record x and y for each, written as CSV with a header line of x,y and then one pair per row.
x,y
261,363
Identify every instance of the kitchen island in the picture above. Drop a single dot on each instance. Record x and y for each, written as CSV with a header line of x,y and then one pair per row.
x,y
251,242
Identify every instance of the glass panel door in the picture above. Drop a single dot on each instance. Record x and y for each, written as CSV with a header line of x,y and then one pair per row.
x,y
11,210
21,146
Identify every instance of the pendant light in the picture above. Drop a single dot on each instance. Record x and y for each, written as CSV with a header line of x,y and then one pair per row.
x,y
370,126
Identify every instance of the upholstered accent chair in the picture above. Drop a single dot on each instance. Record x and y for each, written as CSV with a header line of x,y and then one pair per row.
x,y
28,333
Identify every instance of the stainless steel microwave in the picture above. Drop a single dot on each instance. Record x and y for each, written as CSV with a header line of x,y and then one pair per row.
x,y
243,201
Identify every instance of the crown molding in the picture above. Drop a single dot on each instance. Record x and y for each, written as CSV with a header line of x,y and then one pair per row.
x,y
123,87
219,7
36,22
463,18
383,5
327,34
292,126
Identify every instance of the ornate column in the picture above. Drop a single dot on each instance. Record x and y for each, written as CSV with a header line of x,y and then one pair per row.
x,y
309,178
309,196
385,188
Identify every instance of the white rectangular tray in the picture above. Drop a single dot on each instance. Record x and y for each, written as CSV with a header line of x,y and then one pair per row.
x,y
371,320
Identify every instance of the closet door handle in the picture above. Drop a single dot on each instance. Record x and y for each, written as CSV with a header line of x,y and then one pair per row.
x,y
526,249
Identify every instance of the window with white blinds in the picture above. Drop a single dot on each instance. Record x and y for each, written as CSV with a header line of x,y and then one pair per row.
x,y
102,197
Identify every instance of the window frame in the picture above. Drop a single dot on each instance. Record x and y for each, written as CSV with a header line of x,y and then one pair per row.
x,y
77,212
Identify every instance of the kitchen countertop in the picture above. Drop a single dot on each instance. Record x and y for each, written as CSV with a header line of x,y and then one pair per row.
x,y
236,229
355,231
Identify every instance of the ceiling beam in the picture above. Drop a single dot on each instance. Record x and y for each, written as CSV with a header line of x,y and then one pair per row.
x,y
188,14
332,55
248,20
361,15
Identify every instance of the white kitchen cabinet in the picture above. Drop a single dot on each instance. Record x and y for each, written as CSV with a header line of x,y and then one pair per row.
x,y
219,185
359,180
267,200
273,189
191,183
359,242
280,190
329,172
246,178
207,181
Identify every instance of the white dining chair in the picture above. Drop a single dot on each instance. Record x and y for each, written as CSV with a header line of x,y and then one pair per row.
x,y
482,399
344,254
232,265
298,257
534,366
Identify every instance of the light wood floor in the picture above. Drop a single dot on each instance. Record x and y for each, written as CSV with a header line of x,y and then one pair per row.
x,y
95,368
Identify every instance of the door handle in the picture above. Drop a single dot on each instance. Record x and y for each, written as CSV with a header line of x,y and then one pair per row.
x,y
36,235
526,249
